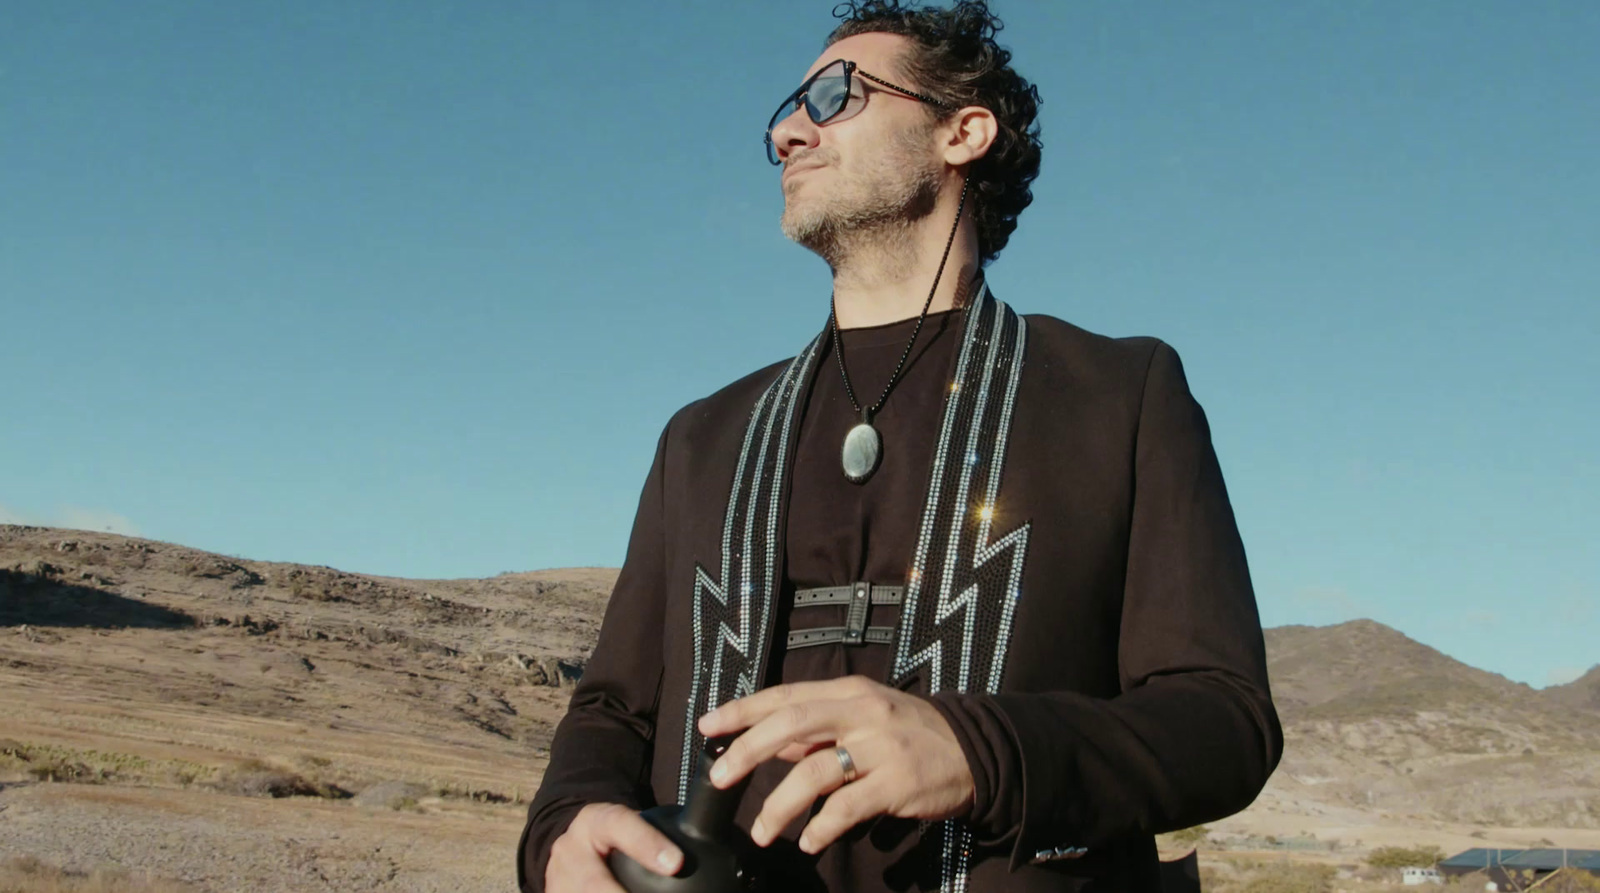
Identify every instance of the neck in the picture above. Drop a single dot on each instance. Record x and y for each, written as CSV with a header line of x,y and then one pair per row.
x,y
885,277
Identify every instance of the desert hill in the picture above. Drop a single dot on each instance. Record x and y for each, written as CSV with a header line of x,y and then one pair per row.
x,y
318,729
1582,693
167,685
1375,720
1362,668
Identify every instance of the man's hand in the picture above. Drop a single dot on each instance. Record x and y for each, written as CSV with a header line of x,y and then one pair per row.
x,y
578,857
907,760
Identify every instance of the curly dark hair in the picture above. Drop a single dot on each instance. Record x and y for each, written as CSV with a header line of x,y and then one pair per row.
x,y
955,59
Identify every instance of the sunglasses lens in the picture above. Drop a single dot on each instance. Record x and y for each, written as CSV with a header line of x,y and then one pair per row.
x,y
824,97
827,97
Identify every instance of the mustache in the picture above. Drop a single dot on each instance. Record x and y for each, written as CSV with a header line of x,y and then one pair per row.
x,y
819,157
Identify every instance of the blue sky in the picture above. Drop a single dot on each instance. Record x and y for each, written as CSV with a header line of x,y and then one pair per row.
x,y
410,288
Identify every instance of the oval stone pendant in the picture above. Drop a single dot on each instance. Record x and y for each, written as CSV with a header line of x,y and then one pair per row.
x,y
862,450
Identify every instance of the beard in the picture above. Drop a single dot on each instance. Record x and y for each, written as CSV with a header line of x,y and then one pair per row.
x,y
873,208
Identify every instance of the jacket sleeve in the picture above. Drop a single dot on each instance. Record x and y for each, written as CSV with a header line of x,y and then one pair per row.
x,y
601,751
1193,735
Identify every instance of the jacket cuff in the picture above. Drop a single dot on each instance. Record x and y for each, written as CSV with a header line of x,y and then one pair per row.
x,y
538,836
990,746
1049,819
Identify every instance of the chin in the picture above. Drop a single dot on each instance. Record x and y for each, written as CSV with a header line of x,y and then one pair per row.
x,y
801,223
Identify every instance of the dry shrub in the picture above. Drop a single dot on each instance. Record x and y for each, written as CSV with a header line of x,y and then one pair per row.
x,y
1248,876
52,762
452,790
1405,857
66,770
1288,877
49,763
28,874
1570,880
254,778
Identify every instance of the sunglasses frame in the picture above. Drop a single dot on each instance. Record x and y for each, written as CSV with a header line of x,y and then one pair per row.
x,y
850,70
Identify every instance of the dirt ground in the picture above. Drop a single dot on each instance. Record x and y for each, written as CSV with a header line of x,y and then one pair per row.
x,y
214,841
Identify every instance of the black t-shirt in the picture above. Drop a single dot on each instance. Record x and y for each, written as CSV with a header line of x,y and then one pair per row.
x,y
839,532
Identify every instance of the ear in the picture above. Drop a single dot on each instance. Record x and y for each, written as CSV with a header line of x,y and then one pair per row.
x,y
968,135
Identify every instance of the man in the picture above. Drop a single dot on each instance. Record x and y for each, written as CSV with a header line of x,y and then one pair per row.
x,y
967,585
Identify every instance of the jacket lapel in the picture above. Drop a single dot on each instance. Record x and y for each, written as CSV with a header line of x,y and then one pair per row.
x,y
733,608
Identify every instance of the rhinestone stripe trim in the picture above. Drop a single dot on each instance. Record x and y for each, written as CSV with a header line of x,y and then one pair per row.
x,y
730,618
956,567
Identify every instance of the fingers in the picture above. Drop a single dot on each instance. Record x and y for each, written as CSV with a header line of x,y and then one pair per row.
x,y
747,711
795,752
574,868
620,828
845,808
577,858
812,777
807,722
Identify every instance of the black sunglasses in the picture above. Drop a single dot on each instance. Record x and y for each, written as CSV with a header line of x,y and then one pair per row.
x,y
824,96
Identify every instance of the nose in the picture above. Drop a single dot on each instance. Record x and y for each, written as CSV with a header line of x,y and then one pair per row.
x,y
796,131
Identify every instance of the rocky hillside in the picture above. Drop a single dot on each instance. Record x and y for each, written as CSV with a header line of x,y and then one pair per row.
x,y
1582,693
183,658
121,642
1376,720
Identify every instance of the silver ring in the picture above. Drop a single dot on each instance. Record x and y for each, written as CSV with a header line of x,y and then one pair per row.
x,y
845,763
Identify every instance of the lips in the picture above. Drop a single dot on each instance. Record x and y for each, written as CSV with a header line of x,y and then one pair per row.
x,y
799,169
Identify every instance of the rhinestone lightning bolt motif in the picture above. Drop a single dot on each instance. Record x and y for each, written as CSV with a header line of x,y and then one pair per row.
x,y
731,616
964,585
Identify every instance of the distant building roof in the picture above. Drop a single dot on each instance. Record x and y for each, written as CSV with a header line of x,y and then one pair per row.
x,y
1480,857
1536,859
1549,859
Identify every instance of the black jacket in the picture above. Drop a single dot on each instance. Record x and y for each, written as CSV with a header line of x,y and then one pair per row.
x,y
1133,697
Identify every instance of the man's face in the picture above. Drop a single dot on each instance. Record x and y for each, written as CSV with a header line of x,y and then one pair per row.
x,y
873,167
